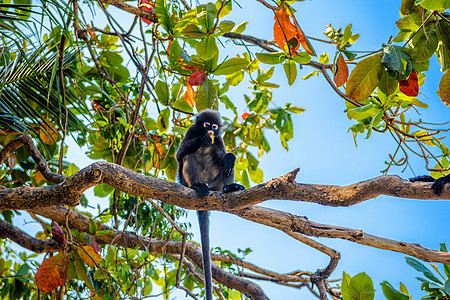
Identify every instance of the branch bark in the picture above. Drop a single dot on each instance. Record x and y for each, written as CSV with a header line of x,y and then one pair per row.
x,y
70,191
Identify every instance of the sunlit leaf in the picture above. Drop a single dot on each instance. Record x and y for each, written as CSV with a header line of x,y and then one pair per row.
x,y
433,4
410,86
207,48
189,95
364,78
290,68
231,65
50,275
341,71
444,88
387,85
89,255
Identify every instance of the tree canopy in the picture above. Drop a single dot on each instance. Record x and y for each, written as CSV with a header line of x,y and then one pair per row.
x,y
124,80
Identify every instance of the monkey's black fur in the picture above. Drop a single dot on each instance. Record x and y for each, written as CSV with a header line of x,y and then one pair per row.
x,y
438,184
204,165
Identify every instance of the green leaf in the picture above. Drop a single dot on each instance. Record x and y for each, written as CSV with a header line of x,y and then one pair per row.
x,y
290,68
416,264
206,15
224,27
272,58
190,18
231,65
207,48
302,58
361,287
391,293
257,175
206,96
363,112
364,78
226,9
409,23
396,62
240,28
295,109
423,46
162,92
387,85
162,14
193,31
103,190
324,59
163,120
265,75
228,103
344,287
182,105
82,271
433,4
175,51
92,227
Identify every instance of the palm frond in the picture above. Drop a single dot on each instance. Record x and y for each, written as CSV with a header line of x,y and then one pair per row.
x,y
29,92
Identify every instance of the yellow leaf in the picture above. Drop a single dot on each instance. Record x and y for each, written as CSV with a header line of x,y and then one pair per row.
x,y
444,88
48,133
88,255
364,78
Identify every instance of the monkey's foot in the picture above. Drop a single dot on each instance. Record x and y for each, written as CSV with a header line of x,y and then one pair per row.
x,y
438,185
234,187
201,188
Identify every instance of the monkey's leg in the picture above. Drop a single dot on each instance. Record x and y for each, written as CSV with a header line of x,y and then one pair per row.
x,y
191,176
438,184
230,186
203,221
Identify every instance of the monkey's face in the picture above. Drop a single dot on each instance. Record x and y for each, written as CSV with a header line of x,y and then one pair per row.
x,y
211,129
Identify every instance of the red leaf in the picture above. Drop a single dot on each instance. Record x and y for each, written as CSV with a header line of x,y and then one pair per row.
x,y
189,96
96,247
88,255
341,73
50,275
410,86
245,115
147,6
197,78
58,234
191,68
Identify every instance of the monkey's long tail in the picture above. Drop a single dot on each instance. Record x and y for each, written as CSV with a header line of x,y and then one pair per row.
x,y
203,220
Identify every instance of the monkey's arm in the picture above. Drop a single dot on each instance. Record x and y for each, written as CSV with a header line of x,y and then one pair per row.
x,y
191,145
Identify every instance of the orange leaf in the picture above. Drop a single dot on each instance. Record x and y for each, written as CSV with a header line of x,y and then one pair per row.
x,y
410,86
88,255
48,133
160,149
444,88
189,95
39,177
341,73
245,115
50,275
284,32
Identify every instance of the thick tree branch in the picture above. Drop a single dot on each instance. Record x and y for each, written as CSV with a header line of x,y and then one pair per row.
x,y
133,10
27,241
131,240
283,188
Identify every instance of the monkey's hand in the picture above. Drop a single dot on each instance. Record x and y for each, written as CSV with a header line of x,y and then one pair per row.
x,y
228,164
438,184
234,187
206,140
201,188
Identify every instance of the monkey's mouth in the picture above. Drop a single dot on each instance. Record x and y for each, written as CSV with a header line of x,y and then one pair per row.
x,y
211,134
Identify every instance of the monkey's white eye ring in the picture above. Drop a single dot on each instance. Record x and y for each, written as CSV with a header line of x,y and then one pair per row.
x,y
215,126
206,124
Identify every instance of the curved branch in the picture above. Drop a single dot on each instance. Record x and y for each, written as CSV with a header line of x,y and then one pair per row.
x,y
282,188
131,240
294,225
41,165
27,241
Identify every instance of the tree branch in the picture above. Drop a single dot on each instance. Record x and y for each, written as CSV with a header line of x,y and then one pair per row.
x,y
27,241
130,240
70,191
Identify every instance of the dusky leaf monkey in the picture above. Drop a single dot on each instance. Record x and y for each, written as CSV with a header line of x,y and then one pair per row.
x,y
204,165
